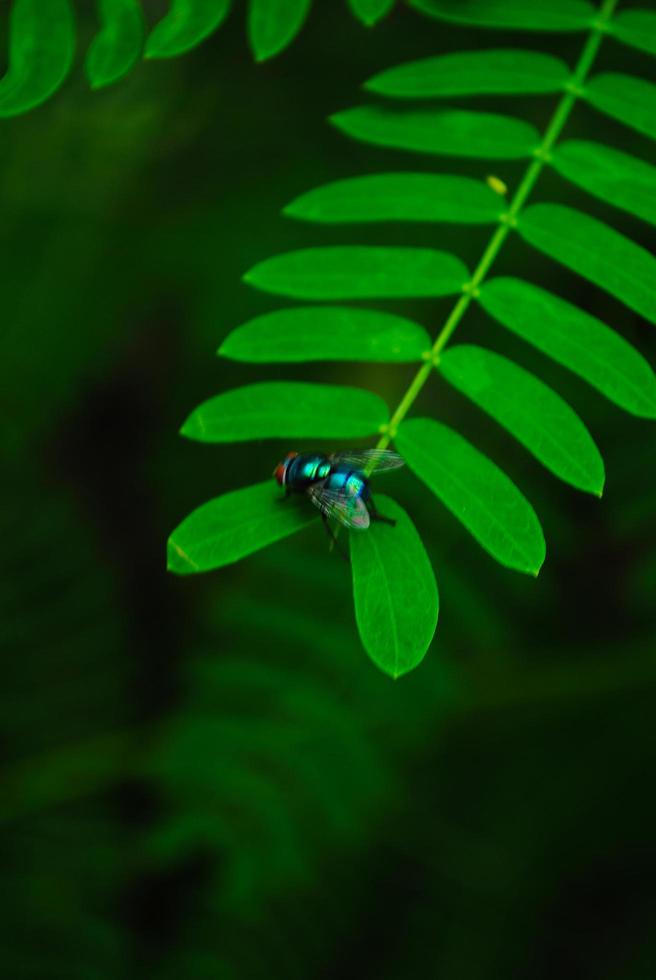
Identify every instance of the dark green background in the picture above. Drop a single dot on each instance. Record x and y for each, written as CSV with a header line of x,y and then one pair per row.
x,y
207,778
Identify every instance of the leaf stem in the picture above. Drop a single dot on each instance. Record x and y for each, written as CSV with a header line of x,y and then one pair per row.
x,y
573,89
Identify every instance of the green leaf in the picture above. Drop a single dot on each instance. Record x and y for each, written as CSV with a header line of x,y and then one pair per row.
x,y
595,251
116,47
531,411
505,71
576,340
635,27
630,100
399,197
235,525
360,272
451,132
371,11
396,599
554,15
273,24
187,23
326,333
610,175
476,491
41,48
287,409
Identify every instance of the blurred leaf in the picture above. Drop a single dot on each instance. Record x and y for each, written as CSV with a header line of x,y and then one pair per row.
x,y
116,47
230,527
450,132
576,340
281,409
273,24
628,99
505,71
476,491
556,15
396,600
41,48
635,27
187,23
611,175
371,11
399,197
326,333
531,411
594,250
360,272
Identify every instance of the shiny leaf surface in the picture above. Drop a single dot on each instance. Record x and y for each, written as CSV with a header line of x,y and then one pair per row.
x,y
326,333
576,340
554,15
187,23
399,197
360,272
609,174
273,24
280,409
476,491
595,251
628,99
444,132
230,527
371,11
505,71
117,46
395,593
531,411
635,27
41,47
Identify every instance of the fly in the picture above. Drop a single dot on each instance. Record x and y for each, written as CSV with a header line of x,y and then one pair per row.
x,y
337,484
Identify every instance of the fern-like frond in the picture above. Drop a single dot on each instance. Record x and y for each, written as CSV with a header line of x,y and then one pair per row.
x,y
42,38
470,485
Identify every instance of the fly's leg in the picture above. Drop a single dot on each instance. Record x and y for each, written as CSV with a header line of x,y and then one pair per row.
x,y
376,516
333,538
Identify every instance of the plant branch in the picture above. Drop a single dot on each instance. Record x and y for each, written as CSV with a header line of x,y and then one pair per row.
x,y
573,90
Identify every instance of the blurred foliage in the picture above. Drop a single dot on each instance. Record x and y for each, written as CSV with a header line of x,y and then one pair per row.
x,y
199,783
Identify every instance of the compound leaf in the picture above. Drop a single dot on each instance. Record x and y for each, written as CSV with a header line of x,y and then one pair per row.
x,y
451,132
609,174
280,409
574,339
399,197
187,23
41,47
628,99
531,411
476,491
371,11
273,24
326,333
230,527
595,251
396,598
635,27
360,272
116,47
556,15
504,71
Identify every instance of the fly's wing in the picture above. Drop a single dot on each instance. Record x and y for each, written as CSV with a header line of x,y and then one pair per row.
x,y
341,506
376,460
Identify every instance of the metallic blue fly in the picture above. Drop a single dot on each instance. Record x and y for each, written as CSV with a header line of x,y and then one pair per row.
x,y
338,484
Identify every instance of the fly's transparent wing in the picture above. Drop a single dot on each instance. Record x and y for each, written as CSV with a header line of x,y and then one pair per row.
x,y
376,460
341,506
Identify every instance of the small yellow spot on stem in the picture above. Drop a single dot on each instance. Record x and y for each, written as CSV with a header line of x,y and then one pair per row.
x,y
496,184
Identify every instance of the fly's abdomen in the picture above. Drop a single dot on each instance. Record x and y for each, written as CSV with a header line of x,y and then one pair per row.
x,y
349,482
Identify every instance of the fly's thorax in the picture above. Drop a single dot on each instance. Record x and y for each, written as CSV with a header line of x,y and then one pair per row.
x,y
306,469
